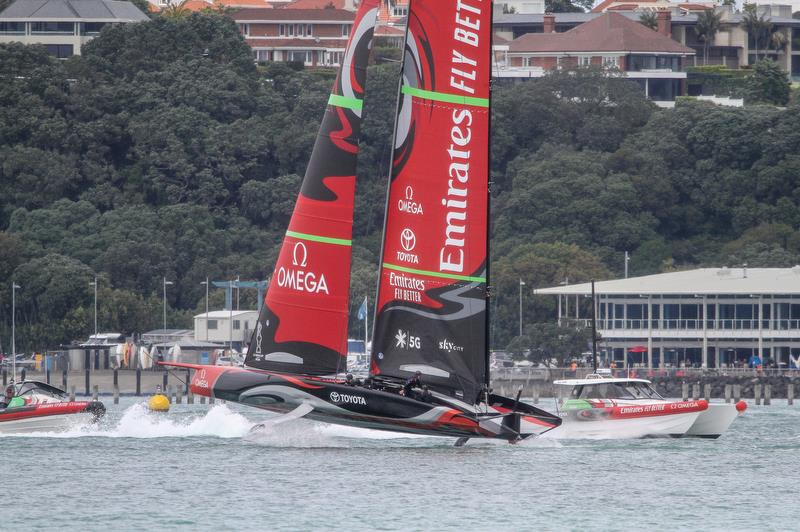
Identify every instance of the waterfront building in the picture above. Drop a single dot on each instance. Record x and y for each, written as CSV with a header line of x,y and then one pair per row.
x,y
649,57
732,47
704,318
226,327
63,26
313,37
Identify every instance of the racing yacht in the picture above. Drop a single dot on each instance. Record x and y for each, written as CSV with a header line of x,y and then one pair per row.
x,y
429,373
39,407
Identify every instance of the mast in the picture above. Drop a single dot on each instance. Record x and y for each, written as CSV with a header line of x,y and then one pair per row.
x,y
594,332
302,326
487,369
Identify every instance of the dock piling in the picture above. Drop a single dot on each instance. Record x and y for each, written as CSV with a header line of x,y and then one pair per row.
x,y
790,393
64,380
47,376
767,394
728,393
695,391
23,372
178,394
5,378
757,394
707,392
202,399
138,382
116,394
166,380
189,397
535,394
211,400
685,391
737,393
87,384
96,392
72,393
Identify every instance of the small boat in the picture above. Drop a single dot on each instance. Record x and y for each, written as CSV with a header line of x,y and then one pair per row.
x,y
429,373
603,407
40,407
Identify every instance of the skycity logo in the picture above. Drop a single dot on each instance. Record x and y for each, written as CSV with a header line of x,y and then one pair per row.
x,y
447,345
339,398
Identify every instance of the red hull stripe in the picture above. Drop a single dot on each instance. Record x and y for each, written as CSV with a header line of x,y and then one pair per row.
x,y
47,409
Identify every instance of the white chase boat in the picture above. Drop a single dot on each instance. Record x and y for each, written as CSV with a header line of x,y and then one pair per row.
x,y
604,407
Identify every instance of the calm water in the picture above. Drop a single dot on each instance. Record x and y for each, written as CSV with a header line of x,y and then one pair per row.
x,y
197,468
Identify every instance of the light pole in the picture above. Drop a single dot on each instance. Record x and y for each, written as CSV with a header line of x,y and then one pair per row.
x,y
165,301
206,283
521,284
230,318
627,260
94,283
14,287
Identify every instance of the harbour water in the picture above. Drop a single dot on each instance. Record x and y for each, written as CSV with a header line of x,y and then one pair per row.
x,y
200,468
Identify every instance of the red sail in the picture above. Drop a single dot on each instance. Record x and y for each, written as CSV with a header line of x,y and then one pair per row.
x,y
302,327
432,291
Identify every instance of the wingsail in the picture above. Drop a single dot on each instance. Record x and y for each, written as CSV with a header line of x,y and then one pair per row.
x,y
432,290
302,327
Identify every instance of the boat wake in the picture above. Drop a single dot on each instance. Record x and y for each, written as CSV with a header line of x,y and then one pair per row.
x,y
139,422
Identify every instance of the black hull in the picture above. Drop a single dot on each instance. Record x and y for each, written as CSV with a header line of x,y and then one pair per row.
x,y
335,402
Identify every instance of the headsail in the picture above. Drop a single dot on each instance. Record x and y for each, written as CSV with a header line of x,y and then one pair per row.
x,y
302,327
432,289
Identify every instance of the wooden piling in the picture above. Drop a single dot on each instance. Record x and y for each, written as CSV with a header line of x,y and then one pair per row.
x,y
170,393
116,394
202,399
535,395
178,394
767,394
790,393
737,393
138,382
96,392
64,380
87,383
72,393
685,391
23,373
728,392
166,377
189,397
695,391
211,400
757,393
47,376
707,392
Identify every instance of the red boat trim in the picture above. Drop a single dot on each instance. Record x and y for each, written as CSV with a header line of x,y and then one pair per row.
x,y
43,410
656,409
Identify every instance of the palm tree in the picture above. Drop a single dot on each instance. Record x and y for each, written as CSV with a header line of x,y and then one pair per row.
x,y
176,10
778,40
649,19
708,24
757,26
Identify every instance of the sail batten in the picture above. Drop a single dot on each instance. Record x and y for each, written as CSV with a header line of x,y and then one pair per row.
x,y
432,293
302,327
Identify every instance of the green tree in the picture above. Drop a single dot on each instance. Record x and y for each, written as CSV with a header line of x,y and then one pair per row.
x,y
649,19
706,29
768,84
758,27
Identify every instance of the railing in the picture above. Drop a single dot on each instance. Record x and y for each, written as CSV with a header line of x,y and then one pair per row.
x,y
690,324
551,374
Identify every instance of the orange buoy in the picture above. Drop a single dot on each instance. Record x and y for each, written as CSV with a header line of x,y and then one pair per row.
x,y
741,406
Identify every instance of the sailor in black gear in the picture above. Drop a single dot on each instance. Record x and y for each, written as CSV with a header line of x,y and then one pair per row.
x,y
412,382
350,381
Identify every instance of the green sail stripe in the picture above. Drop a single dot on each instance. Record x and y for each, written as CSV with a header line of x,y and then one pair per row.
x,y
348,103
445,97
316,238
434,274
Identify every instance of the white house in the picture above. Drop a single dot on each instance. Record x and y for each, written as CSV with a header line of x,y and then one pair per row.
x,y
226,327
709,317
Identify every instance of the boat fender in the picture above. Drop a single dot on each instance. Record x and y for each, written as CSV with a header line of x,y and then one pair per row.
x,y
741,406
158,403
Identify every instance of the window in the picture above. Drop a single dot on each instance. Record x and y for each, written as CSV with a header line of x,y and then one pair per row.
x,y
611,62
585,60
14,28
212,324
91,28
237,325
245,29
345,30
299,57
400,11
57,28
61,51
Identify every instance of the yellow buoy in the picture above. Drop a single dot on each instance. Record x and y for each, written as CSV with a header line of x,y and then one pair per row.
x,y
158,403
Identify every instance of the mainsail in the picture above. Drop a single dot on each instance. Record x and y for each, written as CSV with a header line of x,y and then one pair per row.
x,y
302,327
432,290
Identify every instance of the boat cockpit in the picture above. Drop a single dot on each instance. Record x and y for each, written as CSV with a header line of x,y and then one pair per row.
x,y
615,390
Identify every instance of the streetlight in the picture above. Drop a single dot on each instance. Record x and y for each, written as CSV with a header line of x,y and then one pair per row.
x,y
14,288
94,283
165,301
206,283
521,284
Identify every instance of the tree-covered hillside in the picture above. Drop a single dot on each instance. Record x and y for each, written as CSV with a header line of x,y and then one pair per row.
x,y
164,151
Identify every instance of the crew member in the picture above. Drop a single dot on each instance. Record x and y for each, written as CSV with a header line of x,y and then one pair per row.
x,y
349,380
413,382
8,396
